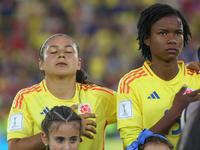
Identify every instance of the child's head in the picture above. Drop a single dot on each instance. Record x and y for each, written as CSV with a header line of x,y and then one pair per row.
x,y
61,129
147,140
156,143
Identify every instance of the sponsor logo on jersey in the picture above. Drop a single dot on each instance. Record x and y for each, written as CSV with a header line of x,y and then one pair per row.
x,y
125,109
45,110
154,95
85,108
189,90
16,122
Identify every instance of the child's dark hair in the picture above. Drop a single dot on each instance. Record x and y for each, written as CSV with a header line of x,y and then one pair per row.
x,y
60,115
149,16
156,140
81,75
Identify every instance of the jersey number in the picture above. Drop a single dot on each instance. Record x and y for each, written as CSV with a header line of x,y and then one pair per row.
x,y
175,132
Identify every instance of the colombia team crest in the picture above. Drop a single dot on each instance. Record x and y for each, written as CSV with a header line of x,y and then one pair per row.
x,y
85,108
189,90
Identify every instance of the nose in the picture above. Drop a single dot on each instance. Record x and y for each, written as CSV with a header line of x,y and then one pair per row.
x,y
172,39
67,146
61,54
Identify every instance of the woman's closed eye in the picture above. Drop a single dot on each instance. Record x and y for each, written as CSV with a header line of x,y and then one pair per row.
x,y
53,52
69,52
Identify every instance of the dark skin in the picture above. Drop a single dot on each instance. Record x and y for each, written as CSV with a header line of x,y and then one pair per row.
x,y
195,65
166,44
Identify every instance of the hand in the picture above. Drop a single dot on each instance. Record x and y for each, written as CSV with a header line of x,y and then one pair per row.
x,y
195,65
87,125
181,101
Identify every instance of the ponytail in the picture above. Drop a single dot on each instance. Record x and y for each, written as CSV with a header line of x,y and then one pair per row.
x,y
81,76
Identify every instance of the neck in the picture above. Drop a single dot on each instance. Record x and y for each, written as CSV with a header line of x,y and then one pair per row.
x,y
62,88
165,70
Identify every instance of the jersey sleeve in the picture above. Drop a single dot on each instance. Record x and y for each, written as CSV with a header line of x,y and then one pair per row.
x,y
110,108
129,113
19,121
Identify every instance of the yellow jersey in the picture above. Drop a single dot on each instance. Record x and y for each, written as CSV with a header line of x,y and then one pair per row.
x,y
31,104
143,99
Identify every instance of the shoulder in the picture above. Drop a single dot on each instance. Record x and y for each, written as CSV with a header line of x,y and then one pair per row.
x,y
191,72
32,89
27,94
96,89
134,75
187,71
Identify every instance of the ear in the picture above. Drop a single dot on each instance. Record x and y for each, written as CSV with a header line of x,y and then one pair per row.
x,y
146,40
40,61
79,64
44,138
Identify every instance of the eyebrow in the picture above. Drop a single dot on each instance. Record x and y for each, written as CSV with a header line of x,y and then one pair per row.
x,y
60,137
56,46
75,136
167,30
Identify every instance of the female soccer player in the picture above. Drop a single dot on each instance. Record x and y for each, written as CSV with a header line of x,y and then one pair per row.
x,y
64,84
61,129
155,95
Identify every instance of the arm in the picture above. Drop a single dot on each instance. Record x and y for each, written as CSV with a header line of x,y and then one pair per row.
x,y
20,127
180,102
30,143
130,130
129,115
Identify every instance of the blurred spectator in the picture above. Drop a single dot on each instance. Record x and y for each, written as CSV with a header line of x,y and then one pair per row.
x,y
104,29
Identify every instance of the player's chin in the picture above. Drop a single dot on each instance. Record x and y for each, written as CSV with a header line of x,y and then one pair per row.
x,y
66,74
171,58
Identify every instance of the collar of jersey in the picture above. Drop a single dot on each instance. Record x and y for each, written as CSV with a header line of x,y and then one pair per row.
x,y
175,80
56,97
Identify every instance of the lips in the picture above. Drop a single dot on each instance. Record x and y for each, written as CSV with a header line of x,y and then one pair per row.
x,y
172,50
61,64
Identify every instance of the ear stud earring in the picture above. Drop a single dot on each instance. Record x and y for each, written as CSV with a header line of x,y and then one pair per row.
x,y
46,146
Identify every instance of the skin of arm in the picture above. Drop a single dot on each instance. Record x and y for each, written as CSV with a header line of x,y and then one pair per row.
x,y
29,143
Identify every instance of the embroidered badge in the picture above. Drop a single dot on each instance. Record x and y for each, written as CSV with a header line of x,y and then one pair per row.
x,y
16,122
125,109
85,108
189,90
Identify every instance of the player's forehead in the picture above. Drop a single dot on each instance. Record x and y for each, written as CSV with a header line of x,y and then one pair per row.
x,y
168,22
59,40
59,128
156,146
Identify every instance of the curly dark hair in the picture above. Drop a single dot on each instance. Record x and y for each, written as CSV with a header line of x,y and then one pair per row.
x,y
149,16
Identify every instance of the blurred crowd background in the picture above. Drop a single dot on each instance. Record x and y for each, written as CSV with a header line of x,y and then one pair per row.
x,y
105,30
